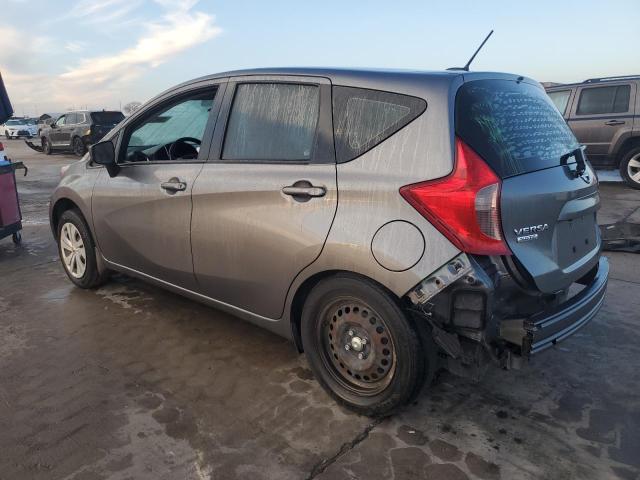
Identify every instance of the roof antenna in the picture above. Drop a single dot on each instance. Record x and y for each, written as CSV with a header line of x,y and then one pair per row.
x,y
466,67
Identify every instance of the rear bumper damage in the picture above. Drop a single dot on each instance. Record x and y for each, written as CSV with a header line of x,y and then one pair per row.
x,y
546,328
479,315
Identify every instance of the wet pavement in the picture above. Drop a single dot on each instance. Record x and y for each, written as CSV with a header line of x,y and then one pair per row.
x,y
132,382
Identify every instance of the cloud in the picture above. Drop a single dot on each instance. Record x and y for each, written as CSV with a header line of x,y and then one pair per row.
x,y
101,80
178,30
75,47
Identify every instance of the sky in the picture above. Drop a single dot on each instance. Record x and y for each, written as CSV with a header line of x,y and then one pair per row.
x,y
69,54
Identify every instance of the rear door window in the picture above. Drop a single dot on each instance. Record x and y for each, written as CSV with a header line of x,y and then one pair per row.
x,y
272,122
602,100
514,126
364,118
560,99
71,119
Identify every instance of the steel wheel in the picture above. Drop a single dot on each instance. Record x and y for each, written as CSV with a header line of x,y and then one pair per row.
x,y
357,347
72,250
633,168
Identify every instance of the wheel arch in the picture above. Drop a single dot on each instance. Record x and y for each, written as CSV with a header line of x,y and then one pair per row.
x,y
626,145
59,207
302,292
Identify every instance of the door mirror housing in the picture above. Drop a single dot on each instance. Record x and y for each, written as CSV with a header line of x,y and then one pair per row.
x,y
53,125
104,153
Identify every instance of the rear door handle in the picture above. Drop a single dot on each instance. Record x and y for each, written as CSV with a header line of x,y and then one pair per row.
x,y
614,122
174,185
299,191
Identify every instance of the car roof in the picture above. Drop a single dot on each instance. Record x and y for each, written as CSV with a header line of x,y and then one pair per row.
x,y
404,81
594,82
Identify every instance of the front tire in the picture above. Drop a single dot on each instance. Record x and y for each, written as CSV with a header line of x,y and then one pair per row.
x,y
630,168
77,251
46,146
362,348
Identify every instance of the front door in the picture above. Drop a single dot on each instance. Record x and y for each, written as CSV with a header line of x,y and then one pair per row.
x,y
64,132
142,216
600,115
55,133
264,202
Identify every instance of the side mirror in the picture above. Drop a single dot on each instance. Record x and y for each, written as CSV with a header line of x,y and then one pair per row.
x,y
104,153
53,125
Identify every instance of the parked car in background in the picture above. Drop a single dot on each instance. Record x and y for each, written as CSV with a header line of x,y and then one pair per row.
x,y
75,131
382,220
604,115
19,127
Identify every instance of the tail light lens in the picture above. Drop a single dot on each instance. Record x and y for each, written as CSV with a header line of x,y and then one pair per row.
x,y
1,146
465,205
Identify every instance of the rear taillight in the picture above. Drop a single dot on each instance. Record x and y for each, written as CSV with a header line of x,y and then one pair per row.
x,y
1,147
465,205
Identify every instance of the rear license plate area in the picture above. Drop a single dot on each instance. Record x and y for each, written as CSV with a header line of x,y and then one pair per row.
x,y
576,238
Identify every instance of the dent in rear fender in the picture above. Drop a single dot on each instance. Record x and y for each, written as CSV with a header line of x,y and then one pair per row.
x,y
368,198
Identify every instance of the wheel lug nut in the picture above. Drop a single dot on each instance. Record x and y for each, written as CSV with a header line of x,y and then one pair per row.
x,y
350,333
364,341
360,356
347,347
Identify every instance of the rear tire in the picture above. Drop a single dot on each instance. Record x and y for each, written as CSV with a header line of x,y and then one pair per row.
x,y
77,251
362,348
630,168
78,147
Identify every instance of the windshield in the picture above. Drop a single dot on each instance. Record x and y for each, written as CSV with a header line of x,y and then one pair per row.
x,y
15,122
107,118
514,126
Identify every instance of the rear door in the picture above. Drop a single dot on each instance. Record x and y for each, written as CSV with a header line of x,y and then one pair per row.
x,y
549,196
600,115
265,200
142,216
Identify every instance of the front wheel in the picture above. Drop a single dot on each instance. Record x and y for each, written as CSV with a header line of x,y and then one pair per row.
x,y
17,238
630,168
77,251
7,136
46,146
361,346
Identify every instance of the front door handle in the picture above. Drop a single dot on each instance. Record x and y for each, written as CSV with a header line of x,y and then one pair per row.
x,y
614,122
173,185
304,191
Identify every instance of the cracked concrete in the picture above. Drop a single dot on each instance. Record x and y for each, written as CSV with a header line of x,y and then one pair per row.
x,y
130,381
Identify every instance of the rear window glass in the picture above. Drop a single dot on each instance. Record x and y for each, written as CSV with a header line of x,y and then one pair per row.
x,y
614,99
363,118
515,127
107,118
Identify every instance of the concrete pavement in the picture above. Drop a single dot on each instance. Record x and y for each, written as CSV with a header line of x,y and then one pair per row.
x,y
130,381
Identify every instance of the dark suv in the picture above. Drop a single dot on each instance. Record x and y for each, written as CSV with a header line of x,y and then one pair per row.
x,y
77,130
603,114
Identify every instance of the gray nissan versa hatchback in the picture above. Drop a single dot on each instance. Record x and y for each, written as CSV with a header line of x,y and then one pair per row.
x,y
389,223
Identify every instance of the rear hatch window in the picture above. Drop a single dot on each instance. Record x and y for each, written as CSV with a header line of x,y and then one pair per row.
x,y
107,118
514,126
